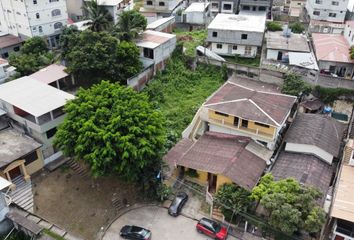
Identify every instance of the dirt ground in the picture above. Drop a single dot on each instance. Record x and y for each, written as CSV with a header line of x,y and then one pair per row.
x,y
79,204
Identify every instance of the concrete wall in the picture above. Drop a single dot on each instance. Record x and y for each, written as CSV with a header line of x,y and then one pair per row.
x,y
227,49
196,18
221,180
349,68
75,9
349,34
35,165
217,6
326,8
234,37
310,149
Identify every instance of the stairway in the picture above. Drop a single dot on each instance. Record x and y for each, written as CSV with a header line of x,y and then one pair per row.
x,y
74,165
217,214
22,196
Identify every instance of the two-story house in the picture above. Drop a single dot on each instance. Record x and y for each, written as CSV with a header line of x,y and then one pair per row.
x,y
232,136
37,109
241,34
9,44
29,18
326,15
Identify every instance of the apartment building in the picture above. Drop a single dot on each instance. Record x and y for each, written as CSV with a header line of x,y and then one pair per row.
x,y
29,18
326,16
241,34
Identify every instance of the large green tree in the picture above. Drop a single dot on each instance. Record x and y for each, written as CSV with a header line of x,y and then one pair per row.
x,y
294,85
92,55
100,18
115,130
130,24
34,55
291,207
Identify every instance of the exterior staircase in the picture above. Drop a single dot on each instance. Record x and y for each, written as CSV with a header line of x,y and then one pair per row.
x,y
22,196
217,214
77,168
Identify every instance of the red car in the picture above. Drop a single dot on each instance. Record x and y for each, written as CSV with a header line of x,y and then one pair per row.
x,y
212,229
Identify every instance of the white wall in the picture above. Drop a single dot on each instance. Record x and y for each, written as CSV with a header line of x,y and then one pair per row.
x,y
227,49
327,7
349,34
310,149
195,17
272,54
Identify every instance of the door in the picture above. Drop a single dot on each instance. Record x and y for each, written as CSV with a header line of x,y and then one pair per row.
x,y
212,178
15,172
280,56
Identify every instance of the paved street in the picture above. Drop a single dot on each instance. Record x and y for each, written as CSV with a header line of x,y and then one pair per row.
x,y
163,226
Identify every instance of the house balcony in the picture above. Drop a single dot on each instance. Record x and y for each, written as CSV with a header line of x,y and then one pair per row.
x,y
263,136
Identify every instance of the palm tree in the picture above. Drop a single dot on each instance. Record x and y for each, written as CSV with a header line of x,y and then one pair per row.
x,y
130,24
101,19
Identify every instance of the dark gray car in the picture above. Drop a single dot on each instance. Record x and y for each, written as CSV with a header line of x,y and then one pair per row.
x,y
134,232
177,204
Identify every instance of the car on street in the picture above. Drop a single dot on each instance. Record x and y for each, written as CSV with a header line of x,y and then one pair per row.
x,y
212,229
135,232
177,204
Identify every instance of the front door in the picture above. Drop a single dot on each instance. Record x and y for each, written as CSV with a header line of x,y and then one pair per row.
x,y
212,178
280,56
15,173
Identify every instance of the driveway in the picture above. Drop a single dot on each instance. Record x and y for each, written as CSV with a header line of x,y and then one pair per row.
x,y
162,225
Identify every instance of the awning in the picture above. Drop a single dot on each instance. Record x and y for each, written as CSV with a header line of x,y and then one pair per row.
x,y
304,60
4,183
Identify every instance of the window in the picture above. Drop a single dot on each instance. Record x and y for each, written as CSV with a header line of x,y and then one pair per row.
x,y
332,14
53,1
222,114
149,53
16,49
40,29
318,1
350,32
51,132
317,13
234,47
351,160
161,4
227,6
58,25
219,46
214,5
335,3
215,34
34,1
29,158
246,8
149,3
37,15
244,36
262,9
244,123
5,55
34,28
58,112
262,125
56,12
236,121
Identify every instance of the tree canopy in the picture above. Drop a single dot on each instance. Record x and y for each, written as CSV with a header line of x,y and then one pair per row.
x,y
292,207
274,26
98,55
33,55
294,85
101,19
130,24
115,130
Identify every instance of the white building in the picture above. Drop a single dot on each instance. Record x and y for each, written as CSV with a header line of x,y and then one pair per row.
x,y
36,109
29,18
162,7
197,13
241,34
326,10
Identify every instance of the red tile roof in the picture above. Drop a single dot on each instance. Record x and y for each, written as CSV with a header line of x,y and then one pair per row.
x,y
331,47
9,40
264,107
219,154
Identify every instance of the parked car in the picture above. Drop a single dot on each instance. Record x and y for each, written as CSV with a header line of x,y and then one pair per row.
x,y
177,204
134,232
212,229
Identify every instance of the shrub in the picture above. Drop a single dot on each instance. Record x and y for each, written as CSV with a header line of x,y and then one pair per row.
x,y
274,26
192,173
297,27
328,95
294,85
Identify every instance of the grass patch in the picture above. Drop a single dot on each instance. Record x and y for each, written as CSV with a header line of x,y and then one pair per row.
x,y
52,234
179,91
191,39
252,62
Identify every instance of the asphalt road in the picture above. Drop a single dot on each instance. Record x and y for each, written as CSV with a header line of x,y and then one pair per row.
x,y
162,225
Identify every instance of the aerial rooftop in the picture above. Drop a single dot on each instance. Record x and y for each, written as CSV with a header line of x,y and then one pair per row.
x,y
241,22
8,40
295,43
32,96
331,47
197,7
50,74
153,39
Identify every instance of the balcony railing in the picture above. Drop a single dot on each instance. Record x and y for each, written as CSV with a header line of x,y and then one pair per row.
x,y
256,132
